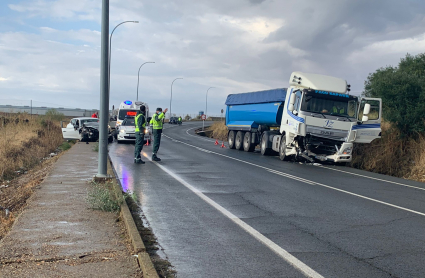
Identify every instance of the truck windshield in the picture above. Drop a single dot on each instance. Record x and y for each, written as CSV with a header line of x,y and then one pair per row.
x,y
329,103
126,113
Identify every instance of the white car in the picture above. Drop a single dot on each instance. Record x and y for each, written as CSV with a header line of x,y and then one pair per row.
x,y
83,129
126,131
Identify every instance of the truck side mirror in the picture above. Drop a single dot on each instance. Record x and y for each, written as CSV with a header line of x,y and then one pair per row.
x,y
291,106
365,118
366,109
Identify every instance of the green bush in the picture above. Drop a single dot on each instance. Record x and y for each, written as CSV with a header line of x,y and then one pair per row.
x,y
100,197
65,146
402,90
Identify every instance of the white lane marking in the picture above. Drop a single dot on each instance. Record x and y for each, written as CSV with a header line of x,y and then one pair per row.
x,y
197,136
372,178
296,263
310,182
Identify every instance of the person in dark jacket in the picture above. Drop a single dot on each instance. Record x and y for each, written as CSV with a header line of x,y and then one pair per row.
x,y
140,123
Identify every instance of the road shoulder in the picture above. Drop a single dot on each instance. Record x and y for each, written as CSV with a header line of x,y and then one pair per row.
x,y
58,235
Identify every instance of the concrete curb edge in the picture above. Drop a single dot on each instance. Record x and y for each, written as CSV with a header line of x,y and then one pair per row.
x,y
143,257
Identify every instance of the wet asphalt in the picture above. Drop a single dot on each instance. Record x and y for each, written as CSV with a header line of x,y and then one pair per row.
x,y
340,222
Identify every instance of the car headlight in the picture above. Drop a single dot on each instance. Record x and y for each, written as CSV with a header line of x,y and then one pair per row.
x,y
347,150
122,131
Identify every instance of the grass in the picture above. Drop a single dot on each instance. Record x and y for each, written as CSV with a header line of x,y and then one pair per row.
x,y
219,131
65,146
101,197
392,155
25,141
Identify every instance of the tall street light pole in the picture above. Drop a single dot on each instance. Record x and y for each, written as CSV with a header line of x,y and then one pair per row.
x,y
110,50
138,74
172,92
206,102
104,93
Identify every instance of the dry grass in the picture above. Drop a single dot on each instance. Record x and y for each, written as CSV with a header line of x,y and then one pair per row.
x,y
23,144
219,131
390,155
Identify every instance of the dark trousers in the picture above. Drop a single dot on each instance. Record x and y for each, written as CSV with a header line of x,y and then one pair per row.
x,y
139,145
156,140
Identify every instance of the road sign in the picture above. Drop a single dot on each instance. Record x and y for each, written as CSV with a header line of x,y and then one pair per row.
x,y
204,117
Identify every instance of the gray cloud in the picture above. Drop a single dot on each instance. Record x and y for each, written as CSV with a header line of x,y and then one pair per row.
x,y
236,46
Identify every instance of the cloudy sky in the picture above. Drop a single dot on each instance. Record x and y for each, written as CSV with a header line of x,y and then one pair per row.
x,y
50,49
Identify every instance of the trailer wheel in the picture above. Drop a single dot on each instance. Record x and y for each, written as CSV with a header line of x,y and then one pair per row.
x,y
264,149
239,140
248,146
282,148
231,139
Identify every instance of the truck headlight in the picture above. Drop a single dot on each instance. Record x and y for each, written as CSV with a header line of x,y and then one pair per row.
x,y
122,131
347,150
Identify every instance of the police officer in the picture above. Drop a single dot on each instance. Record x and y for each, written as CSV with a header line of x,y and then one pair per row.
x,y
338,110
140,123
157,123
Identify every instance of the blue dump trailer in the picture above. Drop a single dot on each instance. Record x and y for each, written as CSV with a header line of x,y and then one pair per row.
x,y
249,111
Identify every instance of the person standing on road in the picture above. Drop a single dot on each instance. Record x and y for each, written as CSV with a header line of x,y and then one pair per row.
x,y
140,123
157,124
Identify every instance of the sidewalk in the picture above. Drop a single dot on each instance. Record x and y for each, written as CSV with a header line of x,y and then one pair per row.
x,y
57,235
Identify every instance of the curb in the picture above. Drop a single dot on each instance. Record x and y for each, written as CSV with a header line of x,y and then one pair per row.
x,y
143,257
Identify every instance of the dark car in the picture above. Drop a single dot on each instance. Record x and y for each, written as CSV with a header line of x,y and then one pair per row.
x,y
173,120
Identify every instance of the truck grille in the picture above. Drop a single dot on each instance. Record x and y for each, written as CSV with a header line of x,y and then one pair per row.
x,y
333,134
319,145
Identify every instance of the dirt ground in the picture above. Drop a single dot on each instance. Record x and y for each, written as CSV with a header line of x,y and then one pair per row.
x,y
15,193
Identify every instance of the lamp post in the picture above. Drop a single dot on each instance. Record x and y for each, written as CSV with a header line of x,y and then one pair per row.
x,y
171,98
110,51
138,74
104,93
206,108
206,102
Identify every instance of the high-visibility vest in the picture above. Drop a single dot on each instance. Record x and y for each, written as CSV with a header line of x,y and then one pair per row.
x,y
341,111
156,121
135,122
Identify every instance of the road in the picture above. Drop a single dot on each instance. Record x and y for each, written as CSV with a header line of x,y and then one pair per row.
x,y
224,213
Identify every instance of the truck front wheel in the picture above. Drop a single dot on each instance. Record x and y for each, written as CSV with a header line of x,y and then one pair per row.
x,y
264,149
282,149
248,146
239,140
231,139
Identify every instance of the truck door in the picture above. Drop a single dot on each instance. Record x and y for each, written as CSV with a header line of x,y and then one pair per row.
x,y
369,130
70,133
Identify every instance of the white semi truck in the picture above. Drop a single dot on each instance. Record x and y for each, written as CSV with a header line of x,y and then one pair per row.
x,y
314,119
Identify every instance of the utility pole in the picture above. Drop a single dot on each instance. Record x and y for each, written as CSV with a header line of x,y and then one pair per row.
x,y
104,93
